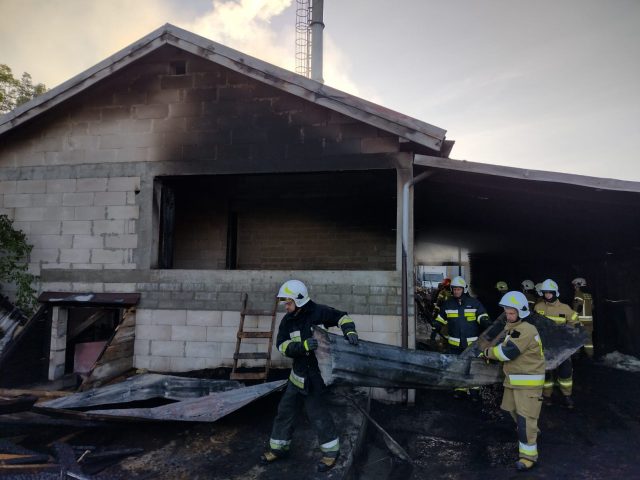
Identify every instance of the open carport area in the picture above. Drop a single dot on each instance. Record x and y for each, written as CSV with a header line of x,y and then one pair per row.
x,y
510,224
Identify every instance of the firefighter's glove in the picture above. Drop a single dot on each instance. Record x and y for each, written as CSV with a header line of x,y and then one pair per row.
x,y
485,356
352,337
310,344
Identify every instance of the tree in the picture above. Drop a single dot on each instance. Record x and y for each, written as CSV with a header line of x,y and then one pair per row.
x,y
14,92
14,252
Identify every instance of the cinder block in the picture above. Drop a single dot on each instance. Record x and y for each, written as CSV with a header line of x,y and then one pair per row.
x,y
205,318
230,319
141,347
46,199
8,186
76,227
51,241
364,323
386,323
122,212
91,184
108,226
160,364
13,200
49,255
32,186
30,214
151,111
87,241
164,348
381,337
142,362
188,332
61,185
186,364
110,198
121,241
84,199
59,213
185,109
202,349
153,332
132,154
93,287
144,316
107,256
120,287
222,334
75,255
170,317
90,213
56,266
123,184
46,228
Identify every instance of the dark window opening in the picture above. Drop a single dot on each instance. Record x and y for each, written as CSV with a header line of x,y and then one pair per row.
x,y
319,221
178,67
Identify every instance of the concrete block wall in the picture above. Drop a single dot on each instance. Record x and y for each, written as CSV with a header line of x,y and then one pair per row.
x,y
75,223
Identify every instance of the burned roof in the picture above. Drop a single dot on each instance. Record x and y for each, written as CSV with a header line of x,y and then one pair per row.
x,y
406,127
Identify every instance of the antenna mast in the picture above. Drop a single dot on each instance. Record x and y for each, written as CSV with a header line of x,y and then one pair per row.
x,y
303,37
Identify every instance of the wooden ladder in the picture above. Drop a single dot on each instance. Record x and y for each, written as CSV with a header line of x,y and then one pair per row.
x,y
266,356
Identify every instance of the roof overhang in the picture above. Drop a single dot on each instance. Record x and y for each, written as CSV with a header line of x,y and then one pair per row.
x,y
404,126
527,174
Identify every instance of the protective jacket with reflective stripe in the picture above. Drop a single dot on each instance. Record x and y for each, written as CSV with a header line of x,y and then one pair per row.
x,y
465,318
522,356
559,312
583,304
295,328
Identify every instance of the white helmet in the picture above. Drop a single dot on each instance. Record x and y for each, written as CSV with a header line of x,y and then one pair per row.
x,y
528,285
550,286
296,291
518,301
579,282
460,282
538,287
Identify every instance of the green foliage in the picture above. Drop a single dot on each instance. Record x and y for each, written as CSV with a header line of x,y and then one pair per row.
x,y
14,253
14,91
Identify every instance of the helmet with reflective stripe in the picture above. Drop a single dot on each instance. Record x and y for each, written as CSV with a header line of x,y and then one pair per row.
x,y
579,282
502,286
296,291
460,282
550,286
528,285
518,301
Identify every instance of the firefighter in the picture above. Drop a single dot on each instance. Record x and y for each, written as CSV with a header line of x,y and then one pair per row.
x,y
538,292
305,385
561,314
465,318
528,288
583,304
523,364
443,294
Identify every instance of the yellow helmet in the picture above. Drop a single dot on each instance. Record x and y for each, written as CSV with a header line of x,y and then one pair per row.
x,y
502,286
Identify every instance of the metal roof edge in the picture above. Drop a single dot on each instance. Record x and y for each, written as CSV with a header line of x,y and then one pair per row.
x,y
598,183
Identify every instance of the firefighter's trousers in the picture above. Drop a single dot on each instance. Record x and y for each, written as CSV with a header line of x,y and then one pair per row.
x,y
562,376
524,406
317,411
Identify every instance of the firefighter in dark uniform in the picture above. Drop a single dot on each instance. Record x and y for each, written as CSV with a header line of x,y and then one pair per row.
x,y
523,364
465,318
583,304
305,386
561,314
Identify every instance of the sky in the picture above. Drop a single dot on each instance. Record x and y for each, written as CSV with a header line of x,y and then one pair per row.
x,y
545,84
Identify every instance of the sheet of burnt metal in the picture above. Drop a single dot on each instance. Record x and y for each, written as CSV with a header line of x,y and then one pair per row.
x,y
204,409
372,364
143,387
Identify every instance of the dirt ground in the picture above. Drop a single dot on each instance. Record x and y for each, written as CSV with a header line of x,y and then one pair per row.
x,y
458,439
